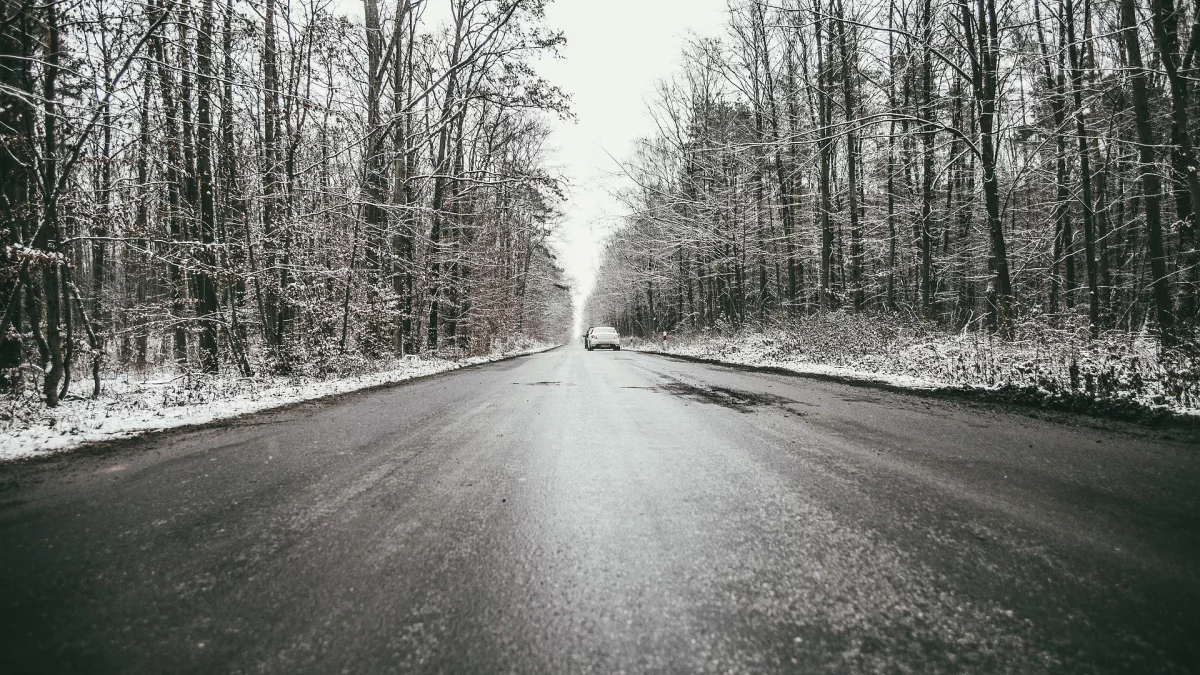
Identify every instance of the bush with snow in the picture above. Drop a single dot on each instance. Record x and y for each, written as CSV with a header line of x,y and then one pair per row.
x,y
1045,361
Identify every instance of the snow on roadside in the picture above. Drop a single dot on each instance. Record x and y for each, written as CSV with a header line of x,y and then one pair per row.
x,y
1058,368
130,406
749,355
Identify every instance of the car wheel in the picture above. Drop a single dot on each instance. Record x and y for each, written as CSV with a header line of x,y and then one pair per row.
x,y
617,348
590,348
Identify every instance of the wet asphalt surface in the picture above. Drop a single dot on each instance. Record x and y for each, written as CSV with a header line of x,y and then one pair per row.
x,y
608,512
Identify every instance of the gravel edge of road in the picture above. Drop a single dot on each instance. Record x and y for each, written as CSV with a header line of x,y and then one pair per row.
x,y
1077,411
9,466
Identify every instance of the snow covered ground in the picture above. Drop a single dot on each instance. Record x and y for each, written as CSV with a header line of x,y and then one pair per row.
x,y
751,351
1048,366
130,405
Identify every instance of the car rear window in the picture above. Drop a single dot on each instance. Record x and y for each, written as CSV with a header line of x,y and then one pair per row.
x,y
604,332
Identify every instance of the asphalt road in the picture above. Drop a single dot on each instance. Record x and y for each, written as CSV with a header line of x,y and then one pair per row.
x,y
607,512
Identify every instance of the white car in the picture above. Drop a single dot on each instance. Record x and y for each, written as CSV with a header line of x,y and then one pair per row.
x,y
603,336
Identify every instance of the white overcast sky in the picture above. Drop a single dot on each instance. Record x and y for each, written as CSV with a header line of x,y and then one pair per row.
x,y
616,51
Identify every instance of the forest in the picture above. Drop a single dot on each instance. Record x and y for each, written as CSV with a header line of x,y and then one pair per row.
x,y
970,166
214,186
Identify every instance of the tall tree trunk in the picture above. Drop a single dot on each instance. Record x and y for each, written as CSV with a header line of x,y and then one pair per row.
x,y
273,317
1185,168
402,189
891,162
1148,173
233,207
983,45
374,211
825,149
927,150
142,226
1085,172
1064,245
49,236
101,226
441,168
17,178
206,308
852,156
174,210
786,211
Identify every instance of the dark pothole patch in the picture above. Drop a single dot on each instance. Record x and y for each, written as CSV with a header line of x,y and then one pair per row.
x,y
544,383
734,399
